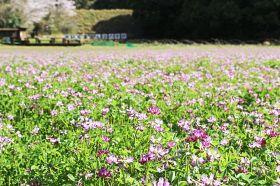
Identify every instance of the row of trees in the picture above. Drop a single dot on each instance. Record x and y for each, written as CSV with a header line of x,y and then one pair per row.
x,y
52,14
203,19
194,19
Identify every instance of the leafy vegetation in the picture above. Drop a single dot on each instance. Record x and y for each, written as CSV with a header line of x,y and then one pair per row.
x,y
139,117
179,19
87,21
202,19
245,19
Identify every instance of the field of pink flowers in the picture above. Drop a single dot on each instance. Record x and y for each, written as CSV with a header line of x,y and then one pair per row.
x,y
158,116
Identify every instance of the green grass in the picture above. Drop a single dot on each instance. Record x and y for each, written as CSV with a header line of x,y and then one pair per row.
x,y
88,19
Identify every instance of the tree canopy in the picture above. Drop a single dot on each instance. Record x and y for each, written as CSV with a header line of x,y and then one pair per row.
x,y
244,19
28,13
191,19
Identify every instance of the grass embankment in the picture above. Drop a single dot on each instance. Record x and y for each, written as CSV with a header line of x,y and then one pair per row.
x,y
107,21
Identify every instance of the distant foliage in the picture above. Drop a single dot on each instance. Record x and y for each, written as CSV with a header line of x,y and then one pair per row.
x,y
107,21
243,19
178,19
158,16
231,19
29,12
8,18
200,19
59,17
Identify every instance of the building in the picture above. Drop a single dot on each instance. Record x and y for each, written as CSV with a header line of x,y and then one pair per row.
x,y
14,34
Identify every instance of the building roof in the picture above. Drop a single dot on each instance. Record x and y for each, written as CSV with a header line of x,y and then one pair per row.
x,y
13,29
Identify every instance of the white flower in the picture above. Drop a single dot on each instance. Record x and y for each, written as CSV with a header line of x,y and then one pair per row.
x,y
278,168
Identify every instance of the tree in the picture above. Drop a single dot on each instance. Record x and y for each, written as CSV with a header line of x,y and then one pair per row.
x,y
59,16
157,16
205,19
8,17
32,12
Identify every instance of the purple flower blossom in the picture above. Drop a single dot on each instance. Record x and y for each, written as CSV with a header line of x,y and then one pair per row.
x,y
105,138
206,142
102,152
4,141
190,180
144,159
129,160
131,113
147,157
155,152
10,117
84,137
84,112
10,128
154,110
54,113
35,97
213,155
92,125
85,88
161,182
140,128
158,128
275,112
70,107
104,173
157,125
205,180
241,169
258,143
158,150
224,127
245,161
105,111
224,142
171,144
109,129
2,82
53,140
197,134
244,164
184,124
143,180
8,68
197,160
271,133
278,168
141,116
212,119
112,159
